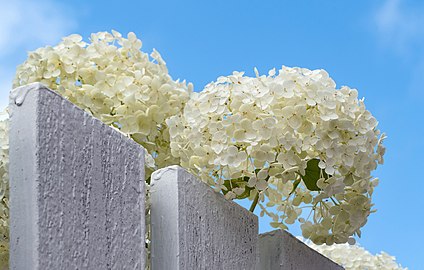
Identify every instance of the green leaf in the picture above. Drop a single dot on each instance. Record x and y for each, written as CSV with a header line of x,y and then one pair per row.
x,y
238,183
313,174
295,184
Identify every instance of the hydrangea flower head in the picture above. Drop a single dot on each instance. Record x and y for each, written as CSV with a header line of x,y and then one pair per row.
x,y
289,140
355,257
112,79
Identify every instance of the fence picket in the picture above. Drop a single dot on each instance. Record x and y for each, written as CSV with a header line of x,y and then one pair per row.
x,y
77,188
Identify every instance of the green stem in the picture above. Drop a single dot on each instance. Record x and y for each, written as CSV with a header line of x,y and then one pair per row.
x,y
254,203
335,203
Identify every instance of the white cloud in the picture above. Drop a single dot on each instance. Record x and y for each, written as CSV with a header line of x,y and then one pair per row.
x,y
399,25
25,22
26,25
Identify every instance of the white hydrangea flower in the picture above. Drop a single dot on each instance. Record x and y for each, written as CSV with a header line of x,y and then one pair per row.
x,y
116,82
112,79
355,257
290,141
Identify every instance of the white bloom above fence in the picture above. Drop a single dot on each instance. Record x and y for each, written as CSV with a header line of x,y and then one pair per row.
x,y
291,141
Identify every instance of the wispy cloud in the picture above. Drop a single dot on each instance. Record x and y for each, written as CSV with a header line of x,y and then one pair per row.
x,y
26,25
399,25
25,22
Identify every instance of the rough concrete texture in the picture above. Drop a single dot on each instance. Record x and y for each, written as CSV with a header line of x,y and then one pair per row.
x,y
193,227
77,188
281,250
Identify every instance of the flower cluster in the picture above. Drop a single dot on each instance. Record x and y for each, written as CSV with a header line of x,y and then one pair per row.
x,y
112,79
290,141
116,82
4,192
355,257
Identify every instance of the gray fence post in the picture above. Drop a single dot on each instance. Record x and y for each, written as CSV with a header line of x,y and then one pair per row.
x,y
77,188
281,250
193,227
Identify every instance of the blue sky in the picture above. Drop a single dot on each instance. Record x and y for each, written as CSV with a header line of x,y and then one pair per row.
x,y
374,46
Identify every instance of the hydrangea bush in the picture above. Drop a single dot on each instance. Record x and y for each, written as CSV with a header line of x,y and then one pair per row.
x,y
112,79
355,257
290,141
116,82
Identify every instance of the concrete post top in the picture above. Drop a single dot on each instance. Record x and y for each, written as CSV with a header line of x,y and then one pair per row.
x,y
17,95
279,249
158,175
182,177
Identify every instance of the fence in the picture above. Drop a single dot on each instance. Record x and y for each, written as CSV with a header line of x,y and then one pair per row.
x,y
77,202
